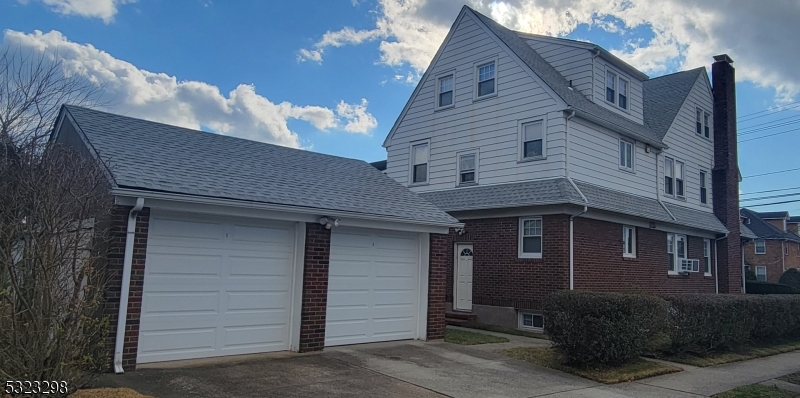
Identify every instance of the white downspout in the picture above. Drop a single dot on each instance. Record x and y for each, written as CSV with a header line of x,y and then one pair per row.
x,y
126,284
744,278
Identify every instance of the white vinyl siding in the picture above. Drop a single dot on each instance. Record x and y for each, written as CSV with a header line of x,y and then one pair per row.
x,y
635,109
686,145
594,157
574,63
491,125
530,237
628,241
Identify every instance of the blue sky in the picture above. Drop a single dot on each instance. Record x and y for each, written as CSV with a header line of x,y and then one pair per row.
x,y
333,76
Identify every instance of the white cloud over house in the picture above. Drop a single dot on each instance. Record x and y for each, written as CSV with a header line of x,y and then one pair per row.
x,y
102,9
161,97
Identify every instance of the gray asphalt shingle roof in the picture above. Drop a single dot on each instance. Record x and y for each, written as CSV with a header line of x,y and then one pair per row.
x,y
696,218
560,85
529,193
773,214
146,155
664,96
746,232
763,229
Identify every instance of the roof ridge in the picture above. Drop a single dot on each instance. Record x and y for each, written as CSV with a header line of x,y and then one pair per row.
x,y
698,69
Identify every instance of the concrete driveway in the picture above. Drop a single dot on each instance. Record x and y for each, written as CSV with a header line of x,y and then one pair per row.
x,y
397,369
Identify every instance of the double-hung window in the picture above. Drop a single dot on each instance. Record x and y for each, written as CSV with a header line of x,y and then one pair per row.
x,y
679,185
703,188
467,168
707,256
628,241
532,140
530,237
699,122
669,176
419,165
676,250
706,125
626,155
761,273
761,246
611,86
486,80
445,91
703,123
623,94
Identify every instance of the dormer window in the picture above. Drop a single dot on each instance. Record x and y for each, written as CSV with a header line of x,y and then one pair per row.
x,y
616,90
623,94
445,91
611,86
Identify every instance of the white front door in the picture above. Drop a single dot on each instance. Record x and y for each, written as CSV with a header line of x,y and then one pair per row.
x,y
463,277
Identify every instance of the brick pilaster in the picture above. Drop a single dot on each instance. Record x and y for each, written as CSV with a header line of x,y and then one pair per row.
x,y
440,261
315,287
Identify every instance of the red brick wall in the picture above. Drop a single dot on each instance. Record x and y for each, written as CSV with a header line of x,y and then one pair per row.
x,y
116,254
315,287
499,276
599,264
440,266
773,259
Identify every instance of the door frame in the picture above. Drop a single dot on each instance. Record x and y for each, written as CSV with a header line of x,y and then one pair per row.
x,y
456,252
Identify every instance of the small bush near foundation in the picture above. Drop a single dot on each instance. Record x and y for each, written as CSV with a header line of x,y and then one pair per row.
x,y
754,287
792,278
605,328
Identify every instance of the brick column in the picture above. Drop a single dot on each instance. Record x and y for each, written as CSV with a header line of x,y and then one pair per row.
x,y
116,253
441,251
315,287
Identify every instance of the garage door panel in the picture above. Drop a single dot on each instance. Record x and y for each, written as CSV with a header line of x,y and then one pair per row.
x,y
372,287
215,287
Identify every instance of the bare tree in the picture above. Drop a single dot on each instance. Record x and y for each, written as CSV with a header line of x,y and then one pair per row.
x,y
54,212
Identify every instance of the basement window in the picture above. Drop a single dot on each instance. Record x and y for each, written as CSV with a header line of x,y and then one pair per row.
x,y
528,320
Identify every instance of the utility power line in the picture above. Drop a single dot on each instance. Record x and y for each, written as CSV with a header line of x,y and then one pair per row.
x,y
771,197
768,190
785,107
770,125
775,203
769,135
771,172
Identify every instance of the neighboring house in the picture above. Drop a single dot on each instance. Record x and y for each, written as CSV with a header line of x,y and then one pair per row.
x,y
776,246
225,246
570,169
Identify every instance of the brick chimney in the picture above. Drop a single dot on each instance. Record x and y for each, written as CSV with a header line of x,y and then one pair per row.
x,y
725,176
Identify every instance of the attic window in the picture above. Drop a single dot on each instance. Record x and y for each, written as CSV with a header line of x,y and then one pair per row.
x,y
486,79
703,123
445,90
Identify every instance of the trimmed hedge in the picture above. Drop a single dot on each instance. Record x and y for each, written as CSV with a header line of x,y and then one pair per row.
x,y
606,328
754,287
791,277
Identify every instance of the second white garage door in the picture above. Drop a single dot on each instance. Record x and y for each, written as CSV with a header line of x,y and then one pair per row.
x,y
373,286
215,286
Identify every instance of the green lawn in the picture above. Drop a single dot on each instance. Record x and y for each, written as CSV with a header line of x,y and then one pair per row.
x,y
747,352
500,329
635,370
464,337
756,391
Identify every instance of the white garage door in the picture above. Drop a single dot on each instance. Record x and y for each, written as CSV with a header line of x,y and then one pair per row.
x,y
215,286
372,287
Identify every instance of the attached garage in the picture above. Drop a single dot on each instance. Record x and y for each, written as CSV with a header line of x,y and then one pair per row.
x,y
215,286
373,286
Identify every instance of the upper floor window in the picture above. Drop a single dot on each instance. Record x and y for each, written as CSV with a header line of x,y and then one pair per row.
x,y
669,177
532,140
703,123
761,246
611,86
707,256
623,94
679,185
445,91
628,241
486,79
419,163
467,168
530,237
626,155
699,121
703,189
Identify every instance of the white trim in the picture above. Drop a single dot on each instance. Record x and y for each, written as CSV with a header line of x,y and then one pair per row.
x,y
476,68
448,73
411,145
674,260
707,258
520,237
475,152
422,277
456,255
295,313
520,316
683,179
125,285
703,175
632,143
625,253
627,107
755,246
521,138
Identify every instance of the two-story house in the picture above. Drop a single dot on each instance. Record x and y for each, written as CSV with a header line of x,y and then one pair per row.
x,y
776,246
570,169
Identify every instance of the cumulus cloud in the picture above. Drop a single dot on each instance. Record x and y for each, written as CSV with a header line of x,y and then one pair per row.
x,y
686,32
103,9
192,104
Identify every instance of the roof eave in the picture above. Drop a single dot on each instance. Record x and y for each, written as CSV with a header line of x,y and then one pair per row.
x,y
617,62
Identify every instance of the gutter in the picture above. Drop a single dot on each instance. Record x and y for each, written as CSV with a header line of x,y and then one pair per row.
x,y
126,284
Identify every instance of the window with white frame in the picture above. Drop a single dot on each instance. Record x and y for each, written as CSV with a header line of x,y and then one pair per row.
x,y
761,246
528,320
761,273
486,79
444,89
533,140
707,256
622,100
706,125
419,163
628,241
468,168
699,122
703,188
679,185
703,123
530,237
669,176
625,155
676,249
611,86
